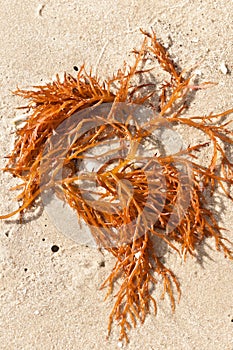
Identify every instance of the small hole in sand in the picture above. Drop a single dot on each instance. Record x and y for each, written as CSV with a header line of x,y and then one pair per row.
x,y
54,248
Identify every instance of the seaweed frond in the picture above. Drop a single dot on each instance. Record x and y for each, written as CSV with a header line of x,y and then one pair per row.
x,y
134,196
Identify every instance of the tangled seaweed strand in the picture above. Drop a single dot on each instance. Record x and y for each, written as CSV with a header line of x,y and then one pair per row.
x,y
127,229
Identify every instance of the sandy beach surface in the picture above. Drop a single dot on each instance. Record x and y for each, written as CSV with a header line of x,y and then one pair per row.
x,y
51,300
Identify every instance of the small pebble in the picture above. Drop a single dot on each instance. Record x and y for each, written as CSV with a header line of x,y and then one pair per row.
x,y
223,68
39,9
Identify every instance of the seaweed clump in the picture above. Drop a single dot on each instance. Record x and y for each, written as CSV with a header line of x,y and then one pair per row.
x,y
125,204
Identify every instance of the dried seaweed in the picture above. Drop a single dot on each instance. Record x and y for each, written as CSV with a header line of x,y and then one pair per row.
x,y
127,229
